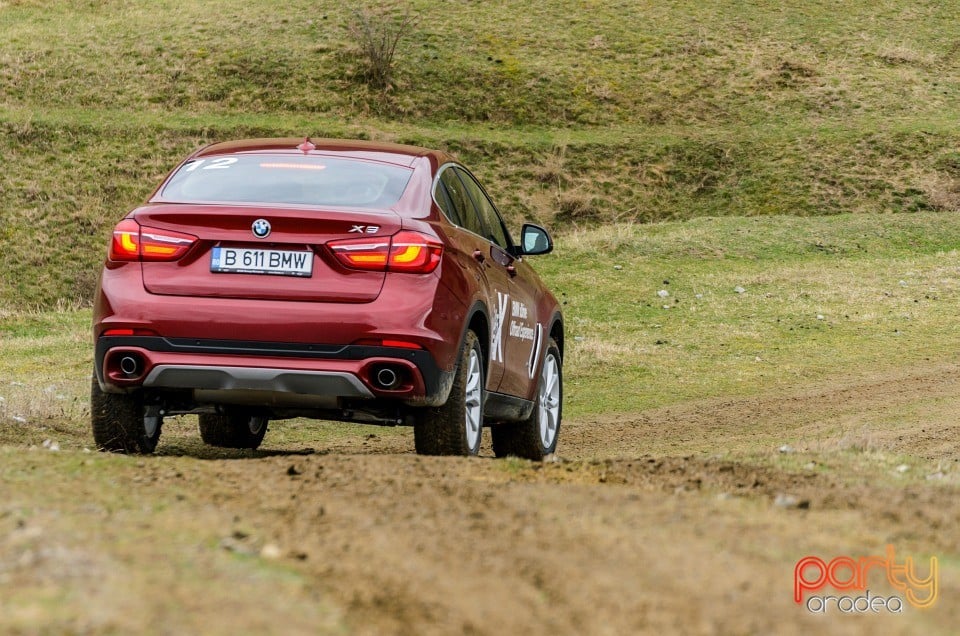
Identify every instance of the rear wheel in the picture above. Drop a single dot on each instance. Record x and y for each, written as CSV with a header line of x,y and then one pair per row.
x,y
233,430
455,428
121,423
536,436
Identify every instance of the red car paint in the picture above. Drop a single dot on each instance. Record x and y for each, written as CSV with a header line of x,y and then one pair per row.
x,y
170,313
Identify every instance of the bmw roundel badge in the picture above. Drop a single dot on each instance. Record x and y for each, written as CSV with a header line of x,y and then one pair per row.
x,y
261,228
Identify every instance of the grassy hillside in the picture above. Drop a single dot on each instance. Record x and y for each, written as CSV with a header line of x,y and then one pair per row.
x,y
574,112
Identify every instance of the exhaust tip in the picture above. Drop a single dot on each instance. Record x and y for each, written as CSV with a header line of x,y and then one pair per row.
x,y
386,378
130,365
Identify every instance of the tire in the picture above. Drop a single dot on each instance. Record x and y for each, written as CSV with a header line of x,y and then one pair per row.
x,y
233,430
118,421
455,428
536,437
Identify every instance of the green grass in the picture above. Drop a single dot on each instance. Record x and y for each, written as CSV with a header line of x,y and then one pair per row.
x,y
574,113
823,297
580,63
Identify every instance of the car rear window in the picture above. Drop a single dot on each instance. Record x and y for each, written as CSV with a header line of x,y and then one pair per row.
x,y
286,179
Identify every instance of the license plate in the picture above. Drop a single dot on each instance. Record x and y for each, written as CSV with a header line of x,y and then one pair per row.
x,y
240,260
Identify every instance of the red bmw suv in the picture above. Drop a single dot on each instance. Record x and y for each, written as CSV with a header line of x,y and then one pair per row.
x,y
343,280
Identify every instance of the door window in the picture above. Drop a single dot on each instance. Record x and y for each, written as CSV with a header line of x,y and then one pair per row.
x,y
442,198
462,203
494,229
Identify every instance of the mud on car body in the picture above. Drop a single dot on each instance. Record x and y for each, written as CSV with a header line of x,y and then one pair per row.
x,y
344,280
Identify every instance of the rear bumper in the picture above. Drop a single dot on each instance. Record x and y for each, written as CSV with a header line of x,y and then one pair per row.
x,y
225,371
287,338
207,378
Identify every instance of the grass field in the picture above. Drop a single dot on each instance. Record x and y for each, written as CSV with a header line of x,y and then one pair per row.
x,y
574,112
755,206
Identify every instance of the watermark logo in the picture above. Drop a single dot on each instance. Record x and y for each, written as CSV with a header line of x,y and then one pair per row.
x,y
846,574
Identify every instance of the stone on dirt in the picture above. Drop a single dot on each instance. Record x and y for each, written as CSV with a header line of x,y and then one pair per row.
x,y
270,551
791,501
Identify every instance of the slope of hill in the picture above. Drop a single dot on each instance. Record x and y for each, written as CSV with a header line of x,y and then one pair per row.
x,y
574,112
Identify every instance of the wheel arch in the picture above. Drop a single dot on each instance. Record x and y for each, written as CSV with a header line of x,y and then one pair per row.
x,y
556,331
479,323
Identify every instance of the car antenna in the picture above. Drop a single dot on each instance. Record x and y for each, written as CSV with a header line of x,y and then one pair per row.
x,y
307,145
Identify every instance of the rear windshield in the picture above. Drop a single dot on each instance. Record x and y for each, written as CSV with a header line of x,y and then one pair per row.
x,y
287,179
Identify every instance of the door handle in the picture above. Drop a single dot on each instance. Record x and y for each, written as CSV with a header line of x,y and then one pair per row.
x,y
478,255
511,270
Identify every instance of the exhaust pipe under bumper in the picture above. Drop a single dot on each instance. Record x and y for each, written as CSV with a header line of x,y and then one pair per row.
x,y
131,366
389,377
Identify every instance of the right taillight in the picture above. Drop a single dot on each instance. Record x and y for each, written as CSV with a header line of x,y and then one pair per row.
x,y
131,242
410,252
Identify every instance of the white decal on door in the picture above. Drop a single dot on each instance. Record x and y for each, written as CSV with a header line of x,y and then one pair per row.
x,y
535,351
496,345
520,331
518,310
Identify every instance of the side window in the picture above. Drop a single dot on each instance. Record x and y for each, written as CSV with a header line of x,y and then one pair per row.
x,y
495,231
443,200
455,189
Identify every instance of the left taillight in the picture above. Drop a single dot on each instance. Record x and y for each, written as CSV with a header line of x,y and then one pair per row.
x,y
410,252
133,242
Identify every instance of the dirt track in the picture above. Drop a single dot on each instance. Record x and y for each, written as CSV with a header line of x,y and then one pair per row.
x,y
660,522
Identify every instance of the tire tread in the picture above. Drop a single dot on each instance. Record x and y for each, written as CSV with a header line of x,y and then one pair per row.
x,y
229,431
522,439
440,430
117,422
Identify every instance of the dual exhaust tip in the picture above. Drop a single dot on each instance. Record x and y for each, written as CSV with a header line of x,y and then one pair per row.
x,y
384,377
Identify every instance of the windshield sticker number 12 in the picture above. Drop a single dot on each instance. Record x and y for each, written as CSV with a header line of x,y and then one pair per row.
x,y
215,164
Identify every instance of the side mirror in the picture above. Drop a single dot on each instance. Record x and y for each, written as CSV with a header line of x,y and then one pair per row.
x,y
534,240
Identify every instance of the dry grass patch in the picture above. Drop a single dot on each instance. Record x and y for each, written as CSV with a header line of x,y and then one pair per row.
x,y
903,53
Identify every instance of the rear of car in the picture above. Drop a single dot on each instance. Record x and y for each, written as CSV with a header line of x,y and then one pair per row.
x,y
270,279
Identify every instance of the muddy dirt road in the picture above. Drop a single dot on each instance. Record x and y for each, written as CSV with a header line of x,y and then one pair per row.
x,y
686,519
